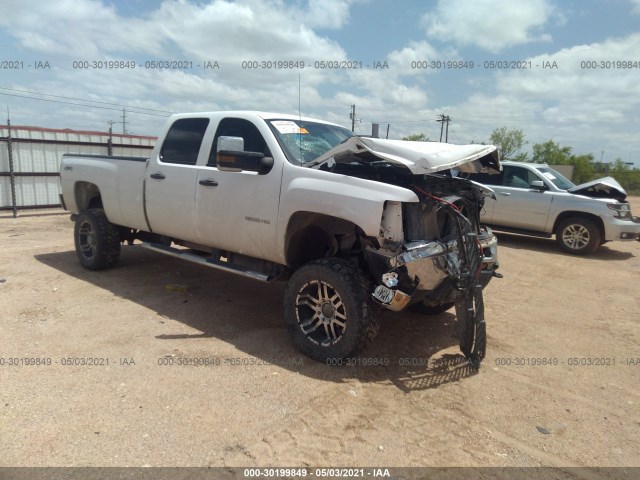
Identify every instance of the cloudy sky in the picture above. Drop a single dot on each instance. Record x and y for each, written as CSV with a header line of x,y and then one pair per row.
x,y
576,78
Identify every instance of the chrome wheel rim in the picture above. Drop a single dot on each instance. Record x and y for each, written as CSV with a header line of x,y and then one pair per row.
x,y
87,240
576,236
321,314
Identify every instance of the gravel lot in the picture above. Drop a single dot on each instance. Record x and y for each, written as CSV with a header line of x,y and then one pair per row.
x,y
260,403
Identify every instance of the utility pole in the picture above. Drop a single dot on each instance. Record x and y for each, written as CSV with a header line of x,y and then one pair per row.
x,y
353,118
442,119
446,130
388,126
12,175
124,121
110,140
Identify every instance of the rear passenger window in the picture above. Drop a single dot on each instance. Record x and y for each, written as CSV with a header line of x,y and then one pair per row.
x,y
183,141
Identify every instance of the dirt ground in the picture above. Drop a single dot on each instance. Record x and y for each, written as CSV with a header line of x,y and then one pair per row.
x,y
559,386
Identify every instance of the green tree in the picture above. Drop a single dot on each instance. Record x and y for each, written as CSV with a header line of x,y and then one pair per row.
x,y
583,168
628,177
509,143
417,137
553,153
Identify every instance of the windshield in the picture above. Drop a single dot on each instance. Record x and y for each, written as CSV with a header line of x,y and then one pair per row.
x,y
556,178
303,141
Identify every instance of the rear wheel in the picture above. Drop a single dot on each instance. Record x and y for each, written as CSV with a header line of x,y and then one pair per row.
x,y
578,236
328,310
97,241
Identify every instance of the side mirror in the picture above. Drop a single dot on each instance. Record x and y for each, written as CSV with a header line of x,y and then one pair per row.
x,y
538,185
231,157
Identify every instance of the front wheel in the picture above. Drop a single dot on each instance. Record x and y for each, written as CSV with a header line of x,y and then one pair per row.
x,y
328,310
97,241
578,236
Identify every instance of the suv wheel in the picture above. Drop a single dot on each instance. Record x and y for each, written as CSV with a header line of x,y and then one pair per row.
x,y
328,310
578,236
97,241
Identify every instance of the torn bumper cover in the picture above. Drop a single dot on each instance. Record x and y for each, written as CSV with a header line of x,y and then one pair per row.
x,y
424,266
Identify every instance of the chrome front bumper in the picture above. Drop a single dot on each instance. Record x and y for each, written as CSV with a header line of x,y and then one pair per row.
x,y
425,265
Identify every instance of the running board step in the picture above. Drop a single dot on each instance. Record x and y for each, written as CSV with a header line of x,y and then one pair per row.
x,y
202,260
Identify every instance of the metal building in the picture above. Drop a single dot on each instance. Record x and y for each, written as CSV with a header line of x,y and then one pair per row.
x,y
30,160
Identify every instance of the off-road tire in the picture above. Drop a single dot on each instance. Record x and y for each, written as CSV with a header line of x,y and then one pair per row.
x,y
336,292
97,241
578,236
429,310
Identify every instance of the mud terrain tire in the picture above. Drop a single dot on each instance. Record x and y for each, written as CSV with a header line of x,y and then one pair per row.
x,y
328,310
97,241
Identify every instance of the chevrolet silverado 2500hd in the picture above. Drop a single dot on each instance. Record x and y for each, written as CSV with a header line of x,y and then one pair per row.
x,y
354,224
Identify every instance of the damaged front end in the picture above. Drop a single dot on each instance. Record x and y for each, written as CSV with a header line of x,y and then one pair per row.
x,y
445,257
433,250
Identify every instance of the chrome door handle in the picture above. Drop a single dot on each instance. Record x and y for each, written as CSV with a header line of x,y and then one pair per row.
x,y
504,194
209,182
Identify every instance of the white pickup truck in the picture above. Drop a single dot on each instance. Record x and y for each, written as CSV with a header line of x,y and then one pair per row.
x,y
353,224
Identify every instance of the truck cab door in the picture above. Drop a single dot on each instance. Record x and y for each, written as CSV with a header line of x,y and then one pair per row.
x,y
170,180
238,211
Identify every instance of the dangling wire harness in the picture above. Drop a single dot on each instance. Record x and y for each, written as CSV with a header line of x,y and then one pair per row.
x,y
469,303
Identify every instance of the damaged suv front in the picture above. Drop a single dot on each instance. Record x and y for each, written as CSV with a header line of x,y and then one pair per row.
x,y
432,253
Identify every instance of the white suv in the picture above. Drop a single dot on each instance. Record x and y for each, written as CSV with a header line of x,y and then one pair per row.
x,y
535,199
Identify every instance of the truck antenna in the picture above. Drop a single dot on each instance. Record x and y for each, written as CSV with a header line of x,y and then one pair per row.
x,y
299,118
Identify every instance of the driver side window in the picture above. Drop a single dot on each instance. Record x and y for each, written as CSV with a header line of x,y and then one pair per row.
x,y
239,127
518,177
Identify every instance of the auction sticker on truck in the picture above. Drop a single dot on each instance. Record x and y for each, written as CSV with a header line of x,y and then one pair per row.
x,y
287,126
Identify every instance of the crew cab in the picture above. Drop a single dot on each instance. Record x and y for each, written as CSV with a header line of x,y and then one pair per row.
x,y
353,224
537,200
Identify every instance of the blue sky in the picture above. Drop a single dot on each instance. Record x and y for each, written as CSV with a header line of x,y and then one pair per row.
x,y
592,110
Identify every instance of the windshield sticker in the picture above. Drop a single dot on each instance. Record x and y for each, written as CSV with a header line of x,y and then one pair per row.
x,y
549,175
286,126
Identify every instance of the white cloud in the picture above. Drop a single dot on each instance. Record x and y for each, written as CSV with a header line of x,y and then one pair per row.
x,y
585,108
85,29
327,14
227,32
591,109
402,61
636,5
241,31
489,24
577,88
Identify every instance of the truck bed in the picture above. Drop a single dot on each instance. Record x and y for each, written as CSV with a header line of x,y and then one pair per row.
x,y
121,181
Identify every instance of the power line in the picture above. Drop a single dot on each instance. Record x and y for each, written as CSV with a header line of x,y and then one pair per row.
x,y
77,104
399,123
120,105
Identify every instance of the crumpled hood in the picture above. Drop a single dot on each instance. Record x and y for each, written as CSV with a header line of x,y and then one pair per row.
x,y
419,157
607,187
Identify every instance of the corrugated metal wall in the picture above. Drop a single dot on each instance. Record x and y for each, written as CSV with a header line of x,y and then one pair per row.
x,y
36,154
